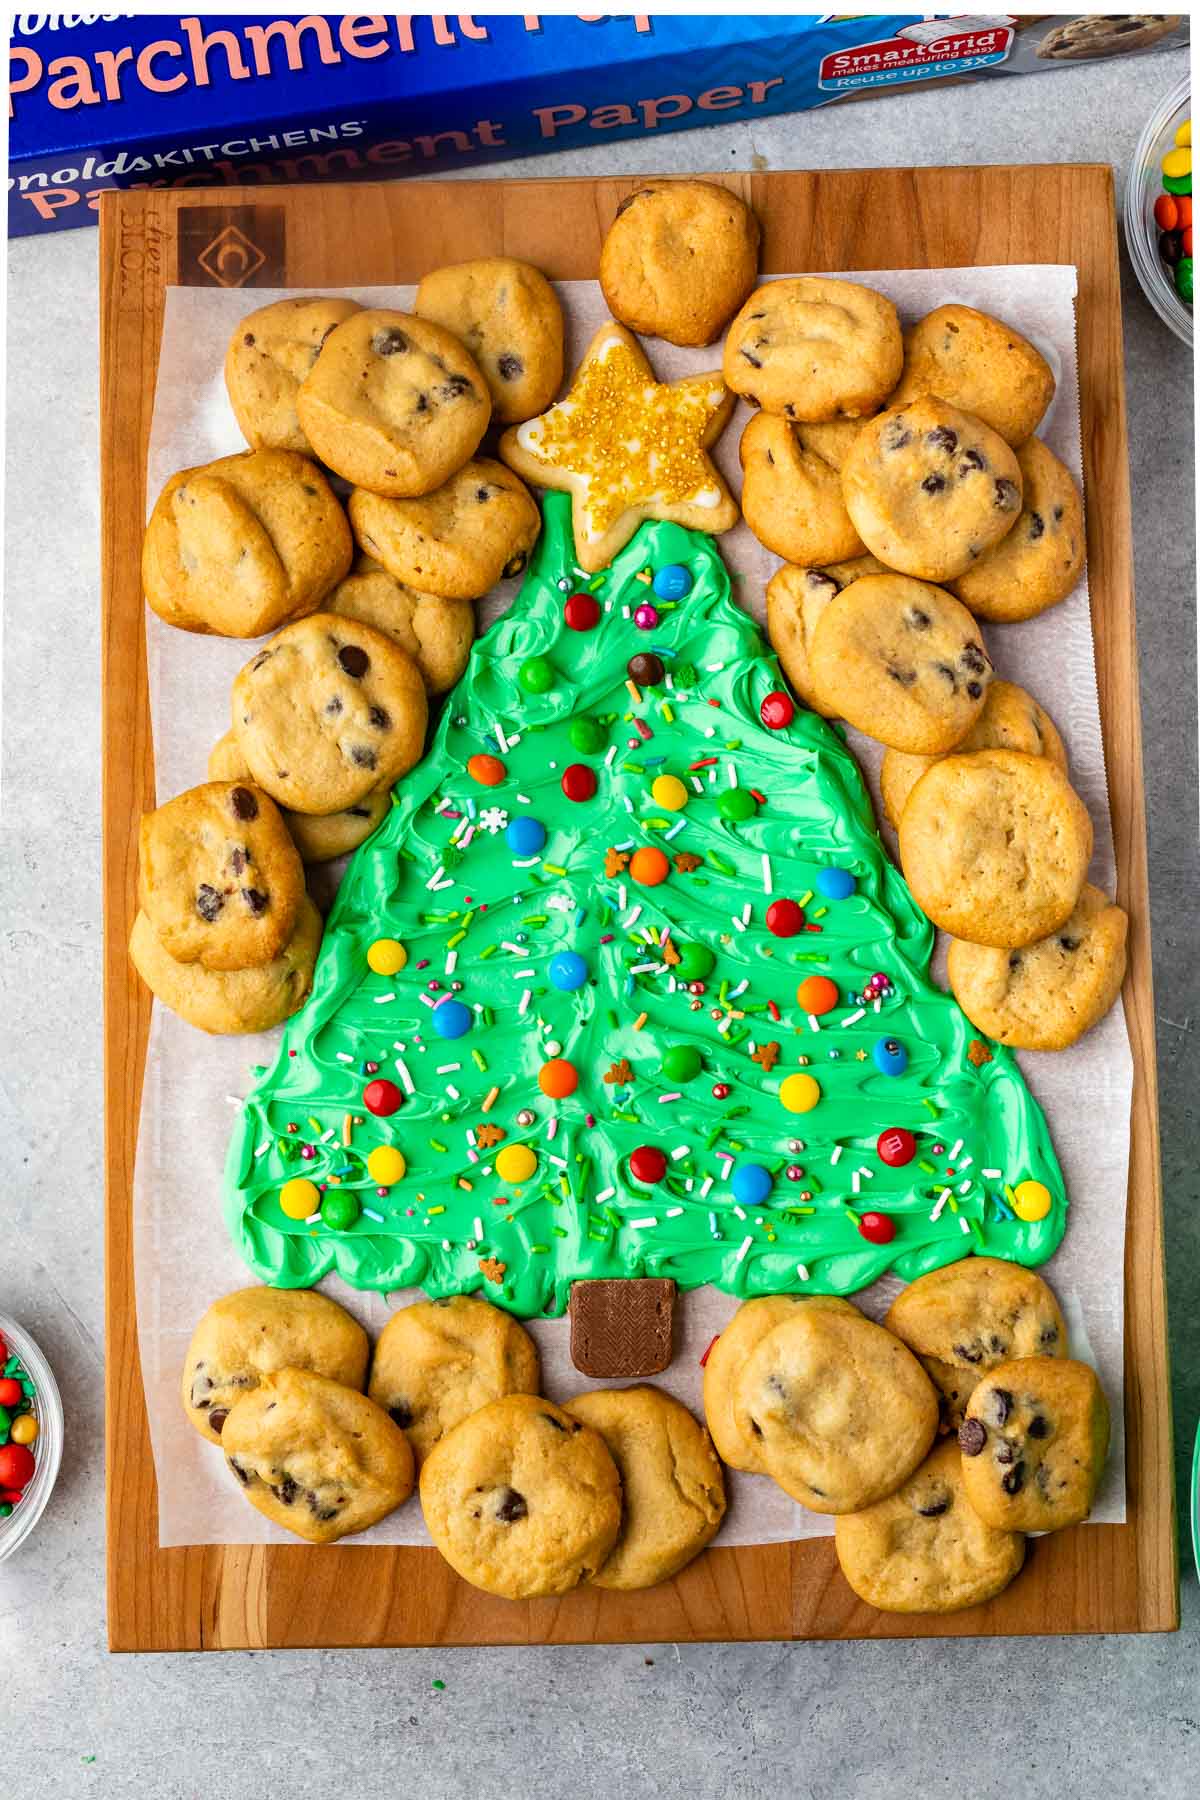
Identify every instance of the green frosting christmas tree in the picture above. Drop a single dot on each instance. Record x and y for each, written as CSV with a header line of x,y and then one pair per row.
x,y
625,984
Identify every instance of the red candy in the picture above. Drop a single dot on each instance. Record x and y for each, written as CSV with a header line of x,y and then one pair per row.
x,y
784,918
10,1391
877,1228
382,1097
647,1164
578,782
16,1465
582,612
1166,212
896,1146
777,711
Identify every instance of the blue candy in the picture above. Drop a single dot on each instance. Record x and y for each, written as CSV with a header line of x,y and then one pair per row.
x,y
835,884
525,836
672,581
891,1058
568,971
751,1184
452,1019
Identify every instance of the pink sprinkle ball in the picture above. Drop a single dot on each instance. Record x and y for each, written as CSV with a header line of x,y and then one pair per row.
x,y
721,1090
307,1152
646,616
795,1172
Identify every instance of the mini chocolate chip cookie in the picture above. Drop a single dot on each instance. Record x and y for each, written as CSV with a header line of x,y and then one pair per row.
x,y
254,1333
457,542
964,1320
1011,720
930,489
796,598
439,1361
840,1411
1038,563
995,847
318,839
316,1457
813,348
231,1002
522,1499
1103,34
792,496
1047,995
394,403
242,545
1033,1444
508,316
678,260
902,660
923,1549
436,632
671,1481
723,1366
980,365
219,877
268,357
328,712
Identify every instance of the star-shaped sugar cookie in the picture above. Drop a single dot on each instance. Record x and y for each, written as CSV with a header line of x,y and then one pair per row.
x,y
627,447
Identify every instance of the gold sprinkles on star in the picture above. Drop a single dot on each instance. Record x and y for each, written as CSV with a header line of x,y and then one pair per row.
x,y
628,447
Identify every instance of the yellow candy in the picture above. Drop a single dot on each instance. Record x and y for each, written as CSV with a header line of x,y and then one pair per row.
x,y
516,1162
1031,1201
386,956
1177,162
1183,136
669,792
298,1198
800,1093
24,1429
385,1165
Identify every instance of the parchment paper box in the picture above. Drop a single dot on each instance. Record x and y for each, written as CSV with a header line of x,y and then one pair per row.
x,y
123,100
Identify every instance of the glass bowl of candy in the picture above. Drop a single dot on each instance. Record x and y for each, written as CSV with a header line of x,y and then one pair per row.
x,y
1158,210
31,1434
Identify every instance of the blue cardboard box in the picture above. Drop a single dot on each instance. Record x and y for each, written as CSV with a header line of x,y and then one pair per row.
x,y
219,100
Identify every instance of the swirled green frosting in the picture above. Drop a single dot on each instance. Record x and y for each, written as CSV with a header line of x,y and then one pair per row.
x,y
752,1197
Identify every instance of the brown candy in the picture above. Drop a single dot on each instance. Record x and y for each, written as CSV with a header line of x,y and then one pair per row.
x,y
622,1328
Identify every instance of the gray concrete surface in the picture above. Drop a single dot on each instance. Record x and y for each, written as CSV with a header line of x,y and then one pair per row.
x,y
1060,1718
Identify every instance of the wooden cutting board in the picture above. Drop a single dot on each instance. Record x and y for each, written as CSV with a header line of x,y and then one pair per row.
x,y
1093,1578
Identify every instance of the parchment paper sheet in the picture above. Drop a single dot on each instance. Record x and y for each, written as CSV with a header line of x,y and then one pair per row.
x,y
184,1259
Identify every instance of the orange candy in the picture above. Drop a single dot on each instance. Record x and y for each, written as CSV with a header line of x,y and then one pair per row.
x,y
649,867
1183,206
817,994
488,771
558,1078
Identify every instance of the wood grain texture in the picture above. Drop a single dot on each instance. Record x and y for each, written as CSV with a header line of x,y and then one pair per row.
x,y
1095,1578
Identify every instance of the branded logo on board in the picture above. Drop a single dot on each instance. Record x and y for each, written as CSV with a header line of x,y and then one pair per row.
x,y
231,246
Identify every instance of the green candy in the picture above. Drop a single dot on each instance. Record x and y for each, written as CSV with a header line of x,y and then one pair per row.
x,y
340,1210
588,736
1183,279
537,675
737,805
1177,184
695,962
682,1062
5,1509
5,1424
